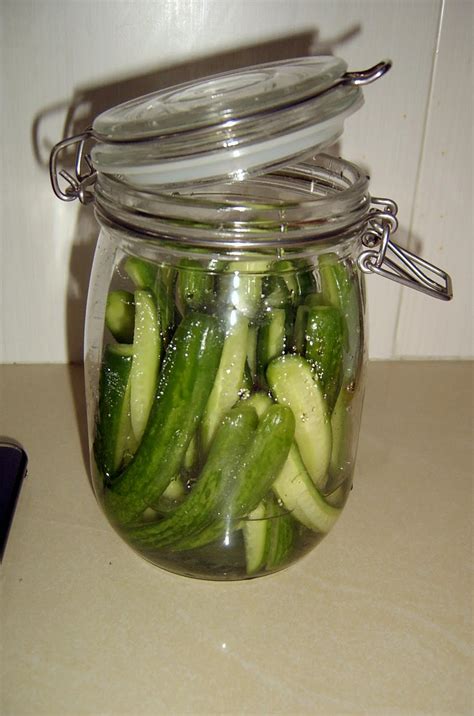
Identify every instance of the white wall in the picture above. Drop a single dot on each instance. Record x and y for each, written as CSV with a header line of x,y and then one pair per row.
x,y
414,134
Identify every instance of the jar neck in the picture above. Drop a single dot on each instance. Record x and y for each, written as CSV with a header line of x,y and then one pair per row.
x,y
323,199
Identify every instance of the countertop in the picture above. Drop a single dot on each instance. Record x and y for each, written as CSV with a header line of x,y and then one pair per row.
x,y
376,620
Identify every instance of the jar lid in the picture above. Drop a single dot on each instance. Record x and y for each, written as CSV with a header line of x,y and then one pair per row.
x,y
232,125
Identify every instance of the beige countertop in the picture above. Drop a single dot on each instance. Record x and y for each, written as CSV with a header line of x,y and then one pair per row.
x,y
376,620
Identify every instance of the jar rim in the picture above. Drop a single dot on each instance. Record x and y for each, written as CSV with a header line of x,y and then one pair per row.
x,y
320,198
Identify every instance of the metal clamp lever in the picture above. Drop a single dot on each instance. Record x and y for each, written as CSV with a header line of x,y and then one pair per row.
x,y
78,185
410,270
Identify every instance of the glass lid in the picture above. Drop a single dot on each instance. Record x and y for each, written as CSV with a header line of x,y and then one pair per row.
x,y
216,99
233,125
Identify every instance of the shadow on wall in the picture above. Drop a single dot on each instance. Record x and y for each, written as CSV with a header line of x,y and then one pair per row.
x,y
89,101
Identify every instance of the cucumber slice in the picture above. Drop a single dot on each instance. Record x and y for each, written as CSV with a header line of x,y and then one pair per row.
x,y
146,358
209,495
120,315
229,378
324,339
293,383
297,492
114,436
255,530
183,390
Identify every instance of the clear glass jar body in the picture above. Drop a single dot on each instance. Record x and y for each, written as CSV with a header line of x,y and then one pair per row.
x,y
225,376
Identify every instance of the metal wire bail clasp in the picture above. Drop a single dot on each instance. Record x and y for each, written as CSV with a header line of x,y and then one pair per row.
x,y
80,185
400,264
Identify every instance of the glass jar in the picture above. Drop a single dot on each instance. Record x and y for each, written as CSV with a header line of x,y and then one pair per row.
x,y
225,344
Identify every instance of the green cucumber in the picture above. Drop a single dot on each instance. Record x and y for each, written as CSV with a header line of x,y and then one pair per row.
x,y
169,500
246,386
184,386
160,280
191,458
120,315
164,290
265,458
146,360
209,495
142,273
324,347
259,467
276,293
260,401
281,537
299,333
287,271
307,284
252,351
345,421
298,494
255,529
229,378
314,299
271,341
340,288
114,436
194,287
242,286
293,383
175,490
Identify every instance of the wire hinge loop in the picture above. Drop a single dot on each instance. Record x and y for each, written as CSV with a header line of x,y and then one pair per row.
x,y
78,185
386,258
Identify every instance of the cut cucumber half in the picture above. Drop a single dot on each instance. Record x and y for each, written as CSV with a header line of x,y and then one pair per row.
x,y
229,378
194,287
241,286
146,359
142,273
300,329
271,341
260,401
114,435
297,492
252,351
293,383
120,315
